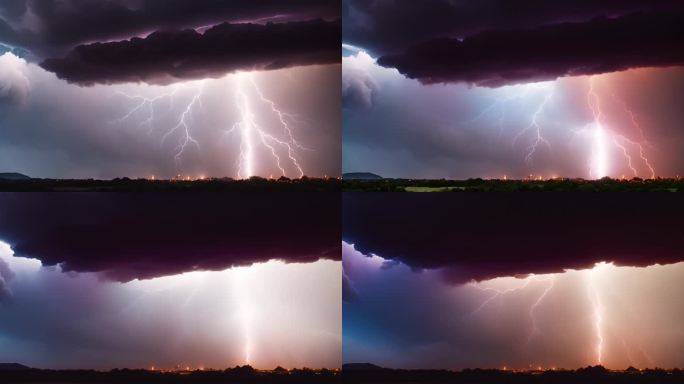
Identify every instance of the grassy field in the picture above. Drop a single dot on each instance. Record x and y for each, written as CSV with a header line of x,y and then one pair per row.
x,y
433,189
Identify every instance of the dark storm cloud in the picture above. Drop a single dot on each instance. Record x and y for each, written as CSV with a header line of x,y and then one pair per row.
x,y
499,57
481,236
50,28
128,236
390,26
358,89
165,57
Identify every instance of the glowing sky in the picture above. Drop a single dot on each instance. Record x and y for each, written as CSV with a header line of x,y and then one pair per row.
x,y
397,127
462,107
265,315
615,316
143,88
139,130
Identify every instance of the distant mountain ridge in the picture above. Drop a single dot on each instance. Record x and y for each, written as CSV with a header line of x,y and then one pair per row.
x,y
361,176
13,176
13,367
361,367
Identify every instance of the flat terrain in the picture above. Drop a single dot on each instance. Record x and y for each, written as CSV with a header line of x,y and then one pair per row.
x,y
116,376
493,376
501,185
214,184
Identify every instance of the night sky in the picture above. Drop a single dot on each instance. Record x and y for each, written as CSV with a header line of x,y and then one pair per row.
x,y
136,88
518,280
494,88
140,280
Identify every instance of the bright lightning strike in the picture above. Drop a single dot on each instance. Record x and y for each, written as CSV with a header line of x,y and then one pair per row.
x,y
259,135
602,137
594,297
598,309
252,133
244,312
599,153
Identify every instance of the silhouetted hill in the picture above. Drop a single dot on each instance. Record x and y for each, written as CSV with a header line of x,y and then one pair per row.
x,y
361,176
12,367
360,367
13,176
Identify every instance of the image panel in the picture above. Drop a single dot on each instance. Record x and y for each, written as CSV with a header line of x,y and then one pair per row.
x,y
523,90
161,90
172,287
512,288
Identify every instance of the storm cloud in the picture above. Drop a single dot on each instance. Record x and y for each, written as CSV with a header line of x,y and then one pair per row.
x,y
497,42
167,57
499,57
14,85
52,28
390,26
480,236
126,237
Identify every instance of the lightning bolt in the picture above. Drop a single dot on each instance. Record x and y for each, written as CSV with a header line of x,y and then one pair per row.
x,y
279,142
145,107
635,124
533,318
243,310
597,306
536,129
594,298
251,132
500,293
499,107
598,167
185,138
602,137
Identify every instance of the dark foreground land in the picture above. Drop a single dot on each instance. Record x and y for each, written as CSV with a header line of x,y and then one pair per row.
x,y
124,376
501,185
589,375
213,184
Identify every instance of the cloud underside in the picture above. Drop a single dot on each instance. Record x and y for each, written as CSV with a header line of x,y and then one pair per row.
x,y
125,237
169,56
480,237
499,57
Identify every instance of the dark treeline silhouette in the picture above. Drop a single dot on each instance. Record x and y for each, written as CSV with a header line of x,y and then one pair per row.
x,y
244,374
368,373
208,184
502,185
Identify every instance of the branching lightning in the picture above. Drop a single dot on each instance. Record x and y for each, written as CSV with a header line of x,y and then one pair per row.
x,y
501,293
602,137
184,128
596,308
600,133
257,139
251,132
536,128
145,108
